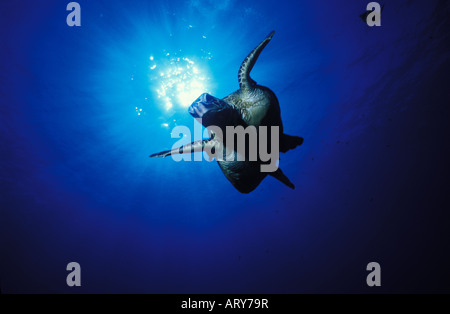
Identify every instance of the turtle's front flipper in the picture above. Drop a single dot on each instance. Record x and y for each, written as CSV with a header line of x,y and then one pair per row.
x,y
194,147
245,82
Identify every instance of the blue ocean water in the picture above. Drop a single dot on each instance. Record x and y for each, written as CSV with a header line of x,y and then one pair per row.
x,y
82,108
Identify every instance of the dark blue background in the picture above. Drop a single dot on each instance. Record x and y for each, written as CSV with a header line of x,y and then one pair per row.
x,y
372,177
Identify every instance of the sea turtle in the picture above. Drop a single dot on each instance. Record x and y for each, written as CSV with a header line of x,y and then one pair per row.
x,y
250,105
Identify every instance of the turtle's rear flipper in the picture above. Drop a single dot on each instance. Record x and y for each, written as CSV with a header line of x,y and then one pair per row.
x,y
279,175
288,142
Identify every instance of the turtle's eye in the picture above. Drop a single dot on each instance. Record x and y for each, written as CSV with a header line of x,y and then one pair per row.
x,y
208,98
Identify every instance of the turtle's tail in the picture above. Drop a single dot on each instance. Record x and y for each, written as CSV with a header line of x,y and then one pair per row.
x,y
245,82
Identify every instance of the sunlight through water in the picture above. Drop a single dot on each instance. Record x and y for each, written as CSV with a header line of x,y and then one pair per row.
x,y
176,80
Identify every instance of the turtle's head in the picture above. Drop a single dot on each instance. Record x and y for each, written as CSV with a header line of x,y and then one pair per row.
x,y
212,111
206,104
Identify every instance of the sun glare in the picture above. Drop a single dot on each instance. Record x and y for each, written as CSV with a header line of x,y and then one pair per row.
x,y
178,80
